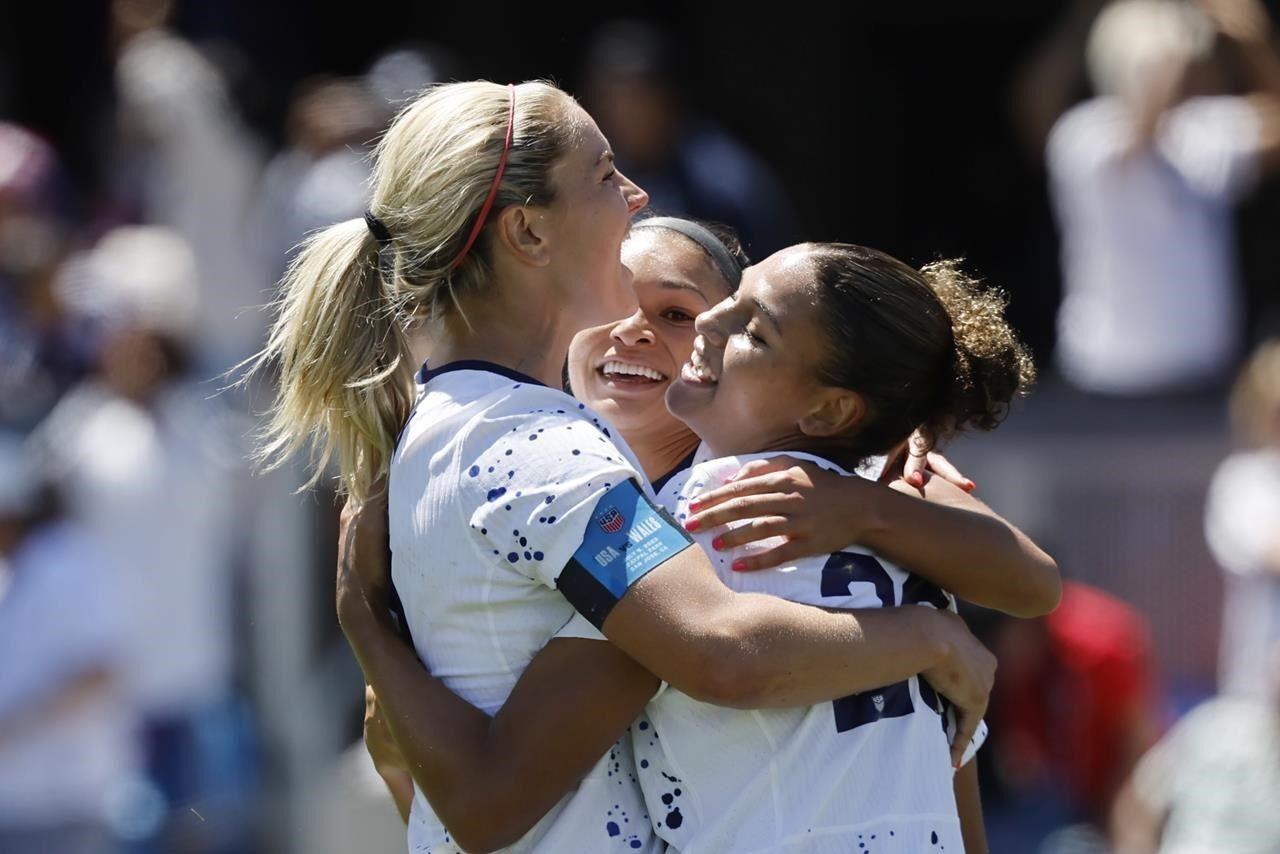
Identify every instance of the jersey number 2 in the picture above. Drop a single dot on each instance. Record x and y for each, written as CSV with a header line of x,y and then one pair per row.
x,y
893,701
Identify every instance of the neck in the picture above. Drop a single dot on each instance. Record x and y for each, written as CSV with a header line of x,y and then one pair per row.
x,y
660,454
795,442
512,325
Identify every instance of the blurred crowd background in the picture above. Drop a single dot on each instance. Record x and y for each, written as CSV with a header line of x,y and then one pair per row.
x,y
172,678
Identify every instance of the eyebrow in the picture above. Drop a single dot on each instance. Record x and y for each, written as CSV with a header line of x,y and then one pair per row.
x,y
768,313
675,285
607,155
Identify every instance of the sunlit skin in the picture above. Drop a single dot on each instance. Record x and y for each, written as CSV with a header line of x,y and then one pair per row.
x,y
560,265
591,215
623,369
750,385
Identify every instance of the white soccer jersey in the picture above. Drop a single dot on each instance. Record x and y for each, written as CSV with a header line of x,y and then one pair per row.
x,y
493,486
867,773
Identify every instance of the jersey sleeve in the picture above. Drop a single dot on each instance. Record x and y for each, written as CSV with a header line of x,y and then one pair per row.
x,y
550,495
580,627
1213,143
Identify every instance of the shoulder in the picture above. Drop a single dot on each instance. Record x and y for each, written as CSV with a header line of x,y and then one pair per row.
x,y
1221,114
476,411
1086,132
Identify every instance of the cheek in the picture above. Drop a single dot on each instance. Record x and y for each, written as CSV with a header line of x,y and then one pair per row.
x,y
584,350
611,208
751,382
678,342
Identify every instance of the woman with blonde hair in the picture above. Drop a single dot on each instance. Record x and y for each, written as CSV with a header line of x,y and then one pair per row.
x,y
496,219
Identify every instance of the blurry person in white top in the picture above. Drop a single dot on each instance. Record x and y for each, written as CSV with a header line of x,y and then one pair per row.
x,y
1143,179
66,733
149,459
1212,783
186,160
1242,526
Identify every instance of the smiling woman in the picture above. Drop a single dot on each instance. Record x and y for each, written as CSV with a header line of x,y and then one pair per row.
x,y
925,350
680,268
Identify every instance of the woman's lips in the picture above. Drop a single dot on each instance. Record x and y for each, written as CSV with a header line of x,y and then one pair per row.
x,y
697,370
630,373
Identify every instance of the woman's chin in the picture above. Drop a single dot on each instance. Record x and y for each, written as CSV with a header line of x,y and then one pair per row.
x,y
689,400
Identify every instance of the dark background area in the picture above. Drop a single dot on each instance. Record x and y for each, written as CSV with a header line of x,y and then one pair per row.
x,y
891,125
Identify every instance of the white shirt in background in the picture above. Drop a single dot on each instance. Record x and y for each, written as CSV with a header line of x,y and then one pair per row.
x,y
1216,775
155,487
1242,526
1150,294
62,616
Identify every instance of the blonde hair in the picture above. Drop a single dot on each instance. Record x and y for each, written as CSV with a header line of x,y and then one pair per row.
x,y
345,369
1255,398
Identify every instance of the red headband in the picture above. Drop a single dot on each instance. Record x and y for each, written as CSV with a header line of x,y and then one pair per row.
x,y
497,179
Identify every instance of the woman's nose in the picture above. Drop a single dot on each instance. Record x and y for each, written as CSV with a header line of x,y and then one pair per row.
x,y
710,323
637,198
632,331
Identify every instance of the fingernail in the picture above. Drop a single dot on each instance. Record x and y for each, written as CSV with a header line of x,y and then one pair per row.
x,y
692,525
739,566
718,543
970,485
695,505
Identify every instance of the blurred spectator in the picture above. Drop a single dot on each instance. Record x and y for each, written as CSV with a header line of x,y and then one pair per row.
x,y
350,809
150,465
66,734
399,75
1143,179
323,175
191,165
1242,526
688,165
1074,708
43,350
1211,784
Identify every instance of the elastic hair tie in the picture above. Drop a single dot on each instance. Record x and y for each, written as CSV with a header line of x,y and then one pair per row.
x,y
376,228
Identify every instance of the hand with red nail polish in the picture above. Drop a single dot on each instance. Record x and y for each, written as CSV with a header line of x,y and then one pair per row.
x,y
806,509
914,461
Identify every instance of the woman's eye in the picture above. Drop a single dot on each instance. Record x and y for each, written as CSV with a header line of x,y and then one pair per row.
x,y
677,315
609,177
751,336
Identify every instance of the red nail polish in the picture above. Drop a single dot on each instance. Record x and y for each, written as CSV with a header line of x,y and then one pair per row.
x,y
739,566
695,505
692,525
717,543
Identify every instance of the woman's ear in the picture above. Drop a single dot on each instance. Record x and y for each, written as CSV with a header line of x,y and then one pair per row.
x,y
837,411
526,233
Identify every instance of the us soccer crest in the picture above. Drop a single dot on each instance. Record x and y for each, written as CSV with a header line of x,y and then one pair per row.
x,y
611,520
